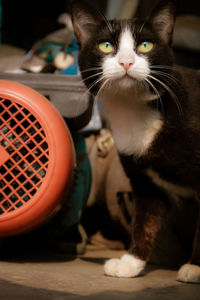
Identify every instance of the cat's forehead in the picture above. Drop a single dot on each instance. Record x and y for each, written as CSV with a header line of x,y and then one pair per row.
x,y
117,27
134,27
121,25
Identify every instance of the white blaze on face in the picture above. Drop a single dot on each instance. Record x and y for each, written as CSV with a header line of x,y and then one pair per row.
x,y
133,123
126,56
126,61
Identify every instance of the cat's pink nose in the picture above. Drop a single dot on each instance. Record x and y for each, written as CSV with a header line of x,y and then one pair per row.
x,y
126,63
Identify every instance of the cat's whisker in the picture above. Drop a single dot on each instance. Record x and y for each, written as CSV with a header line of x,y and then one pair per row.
x,y
103,86
108,23
88,90
91,69
91,76
157,93
161,67
170,91
166,75
82,98
143,24
95,83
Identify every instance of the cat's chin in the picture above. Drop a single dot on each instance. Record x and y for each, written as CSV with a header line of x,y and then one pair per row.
x,y
126,82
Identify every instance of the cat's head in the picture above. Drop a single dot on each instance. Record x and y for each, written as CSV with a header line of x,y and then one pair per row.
x,y
120,54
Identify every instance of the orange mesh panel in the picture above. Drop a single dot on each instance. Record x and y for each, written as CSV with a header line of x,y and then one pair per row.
x,y
22,138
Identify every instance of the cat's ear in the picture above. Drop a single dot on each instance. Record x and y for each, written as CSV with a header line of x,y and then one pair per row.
x,y
85,19
163,19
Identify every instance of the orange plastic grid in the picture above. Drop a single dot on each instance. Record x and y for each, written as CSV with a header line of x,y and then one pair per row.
x,y
23,171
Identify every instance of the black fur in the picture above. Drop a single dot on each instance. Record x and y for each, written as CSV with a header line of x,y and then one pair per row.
x,y
175,152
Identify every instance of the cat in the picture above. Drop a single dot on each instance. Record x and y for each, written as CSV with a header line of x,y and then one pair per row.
x,y
153,110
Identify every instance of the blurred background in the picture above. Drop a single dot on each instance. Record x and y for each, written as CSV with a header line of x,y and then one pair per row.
x,y
25,22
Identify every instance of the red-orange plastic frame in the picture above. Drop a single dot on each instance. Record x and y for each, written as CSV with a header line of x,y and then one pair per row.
x,y
61,161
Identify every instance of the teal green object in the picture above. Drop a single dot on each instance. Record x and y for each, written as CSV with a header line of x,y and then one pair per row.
x,y
82,183
52,49
74,68
73,47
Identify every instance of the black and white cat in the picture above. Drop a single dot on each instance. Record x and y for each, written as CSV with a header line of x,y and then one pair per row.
x,y
153,108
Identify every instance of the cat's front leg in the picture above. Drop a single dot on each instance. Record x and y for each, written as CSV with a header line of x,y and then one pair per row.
x,y
190,272
147,220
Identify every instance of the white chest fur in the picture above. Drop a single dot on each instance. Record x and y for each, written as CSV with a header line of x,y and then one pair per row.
x,y
134,125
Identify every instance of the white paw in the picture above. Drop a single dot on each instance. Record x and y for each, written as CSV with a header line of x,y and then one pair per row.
x,y
189,273
126,266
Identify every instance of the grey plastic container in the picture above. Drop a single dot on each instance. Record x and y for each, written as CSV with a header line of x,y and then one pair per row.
x,y
67,93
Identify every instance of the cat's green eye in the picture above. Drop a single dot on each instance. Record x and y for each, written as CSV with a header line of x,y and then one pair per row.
x,y
106,47
145,47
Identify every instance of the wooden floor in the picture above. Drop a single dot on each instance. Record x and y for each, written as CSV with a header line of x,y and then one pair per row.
x,y
83,278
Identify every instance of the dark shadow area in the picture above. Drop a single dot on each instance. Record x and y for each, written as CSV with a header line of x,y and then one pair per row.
x,y
46,257
49,243
24,22
21,249
95,260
